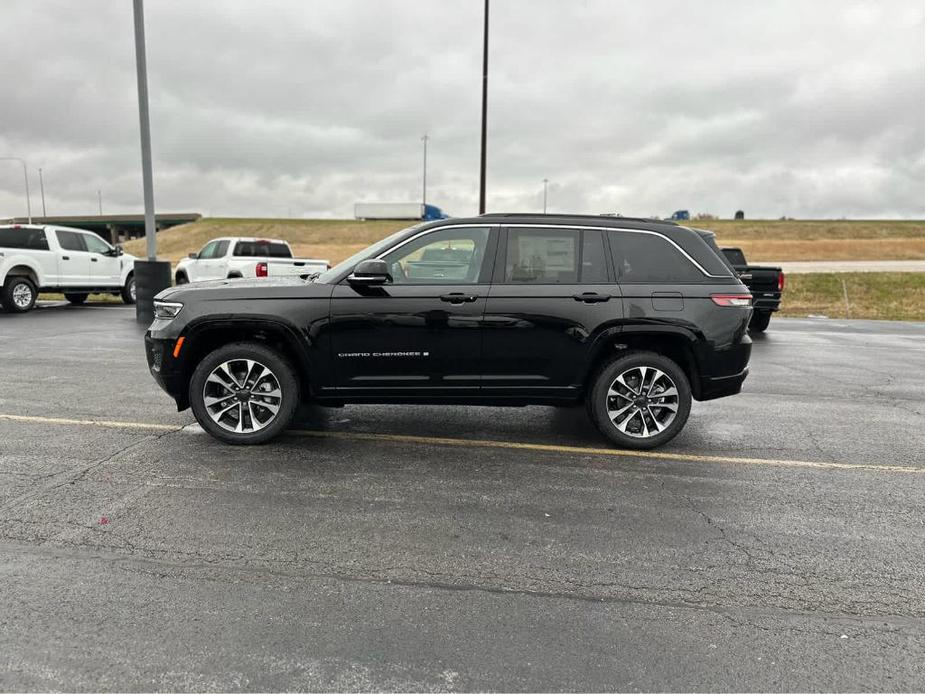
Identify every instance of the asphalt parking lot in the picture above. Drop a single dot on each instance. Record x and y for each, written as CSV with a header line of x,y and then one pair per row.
x,y
777,543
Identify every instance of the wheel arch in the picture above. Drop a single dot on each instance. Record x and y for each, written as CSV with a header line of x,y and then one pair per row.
x,y
203,337
673,342
22,268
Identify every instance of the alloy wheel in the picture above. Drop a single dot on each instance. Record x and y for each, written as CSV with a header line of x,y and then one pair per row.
x,y
642,401
242,396
22,295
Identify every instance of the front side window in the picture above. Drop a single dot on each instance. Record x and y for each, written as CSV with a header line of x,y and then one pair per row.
x,y
71,241
96,245
208,251
649,258
447,256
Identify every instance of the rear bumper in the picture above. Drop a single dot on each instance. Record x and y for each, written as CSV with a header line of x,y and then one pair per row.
x,y
721,386
726,370
765,301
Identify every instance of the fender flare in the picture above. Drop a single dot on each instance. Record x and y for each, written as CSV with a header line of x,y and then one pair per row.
x,y
10,262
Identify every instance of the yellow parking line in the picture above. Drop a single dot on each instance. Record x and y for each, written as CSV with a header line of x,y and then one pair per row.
x,y
511,445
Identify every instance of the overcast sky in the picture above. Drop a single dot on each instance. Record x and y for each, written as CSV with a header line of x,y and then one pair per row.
x,y
273,108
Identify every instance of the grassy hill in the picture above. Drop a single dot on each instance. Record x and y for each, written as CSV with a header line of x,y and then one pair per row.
x,y
763,240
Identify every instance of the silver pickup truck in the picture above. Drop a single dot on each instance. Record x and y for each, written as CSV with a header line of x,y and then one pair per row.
x,y
238,256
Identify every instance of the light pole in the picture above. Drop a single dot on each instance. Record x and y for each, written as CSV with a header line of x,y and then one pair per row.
x,y
150,276
42,188
424,191
545,186
99,197
484,111
25,178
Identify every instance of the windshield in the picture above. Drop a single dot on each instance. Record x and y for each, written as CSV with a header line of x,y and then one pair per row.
x,y
368,252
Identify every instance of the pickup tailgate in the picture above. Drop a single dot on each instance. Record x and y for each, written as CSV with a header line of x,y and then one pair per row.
x,y
293,267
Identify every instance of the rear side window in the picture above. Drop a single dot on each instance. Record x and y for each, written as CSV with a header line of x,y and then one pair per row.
x,y
71,241
259,249
593,260
650,258
31,239
541,256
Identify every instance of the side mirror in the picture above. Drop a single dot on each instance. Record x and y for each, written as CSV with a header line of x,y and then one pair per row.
x,y
193,256
117,251
370,273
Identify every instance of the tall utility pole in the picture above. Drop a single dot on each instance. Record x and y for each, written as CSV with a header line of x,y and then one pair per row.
x,y
424,191
484,111
150,275
42,188
25,178
545,186
99,196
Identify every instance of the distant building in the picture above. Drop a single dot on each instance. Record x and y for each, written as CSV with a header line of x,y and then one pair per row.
x,y
115,228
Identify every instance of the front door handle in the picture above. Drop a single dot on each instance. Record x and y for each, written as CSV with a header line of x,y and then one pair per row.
x,y
93,260
458,298
591,297
65,257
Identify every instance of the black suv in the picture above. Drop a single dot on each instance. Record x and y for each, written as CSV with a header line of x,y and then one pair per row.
x,y
634,317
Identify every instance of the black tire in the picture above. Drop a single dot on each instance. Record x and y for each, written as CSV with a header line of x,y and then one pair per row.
x,y
598,400
759,322
76,299
18,295
128,291
181,278
279,368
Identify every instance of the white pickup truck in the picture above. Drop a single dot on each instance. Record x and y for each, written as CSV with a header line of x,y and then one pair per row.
x,y
43,258
237,256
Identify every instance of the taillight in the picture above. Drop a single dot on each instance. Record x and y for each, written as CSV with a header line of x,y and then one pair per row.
x,y
262,270
780,282
732,299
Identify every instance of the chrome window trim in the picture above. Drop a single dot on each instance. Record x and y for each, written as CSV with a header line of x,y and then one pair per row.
x,y
554,226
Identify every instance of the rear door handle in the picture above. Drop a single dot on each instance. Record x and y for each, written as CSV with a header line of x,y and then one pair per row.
x,y
591,297
93,260
65,257
458,298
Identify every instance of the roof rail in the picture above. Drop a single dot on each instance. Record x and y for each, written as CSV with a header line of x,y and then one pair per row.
x,y
565,215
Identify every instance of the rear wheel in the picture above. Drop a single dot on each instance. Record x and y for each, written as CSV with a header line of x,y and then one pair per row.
x,y
128,291
18,295
759,322
244,393
76,299
640,400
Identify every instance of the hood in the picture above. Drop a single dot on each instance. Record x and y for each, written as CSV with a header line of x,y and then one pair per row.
x,y
262,288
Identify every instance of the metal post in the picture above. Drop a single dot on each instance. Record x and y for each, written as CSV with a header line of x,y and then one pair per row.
x,y
25,177
545,184
42,188
99,197
150,276
144,121
424,192
484,111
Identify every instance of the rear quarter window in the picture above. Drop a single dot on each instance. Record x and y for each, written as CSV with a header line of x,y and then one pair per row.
x,y
30,239
642,258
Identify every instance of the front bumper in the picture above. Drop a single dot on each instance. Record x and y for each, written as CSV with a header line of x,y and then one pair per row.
x,y
167,370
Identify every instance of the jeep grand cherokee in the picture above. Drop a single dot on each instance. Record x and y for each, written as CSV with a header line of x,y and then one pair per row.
x,y
633,317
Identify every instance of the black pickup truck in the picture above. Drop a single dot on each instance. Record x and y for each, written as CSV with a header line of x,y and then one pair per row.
x,y
634,318
766,284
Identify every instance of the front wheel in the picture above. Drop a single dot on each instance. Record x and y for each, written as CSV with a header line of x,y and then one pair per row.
x,y
759,322
76,299
18,295
640,400
244,393
128,291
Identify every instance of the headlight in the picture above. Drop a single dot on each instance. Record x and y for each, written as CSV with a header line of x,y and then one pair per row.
x,y
166,309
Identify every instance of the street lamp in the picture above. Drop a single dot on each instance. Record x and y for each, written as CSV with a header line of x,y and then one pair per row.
x,y
484,110
151,276
25,178
42,188
545,186
424,192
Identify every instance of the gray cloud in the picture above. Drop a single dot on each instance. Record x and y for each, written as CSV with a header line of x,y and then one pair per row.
x,y
304,107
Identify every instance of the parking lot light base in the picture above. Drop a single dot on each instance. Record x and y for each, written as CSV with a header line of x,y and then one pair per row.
x,y
151,277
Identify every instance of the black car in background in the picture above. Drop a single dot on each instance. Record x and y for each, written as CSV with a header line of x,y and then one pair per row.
x,y
766,284
633,317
